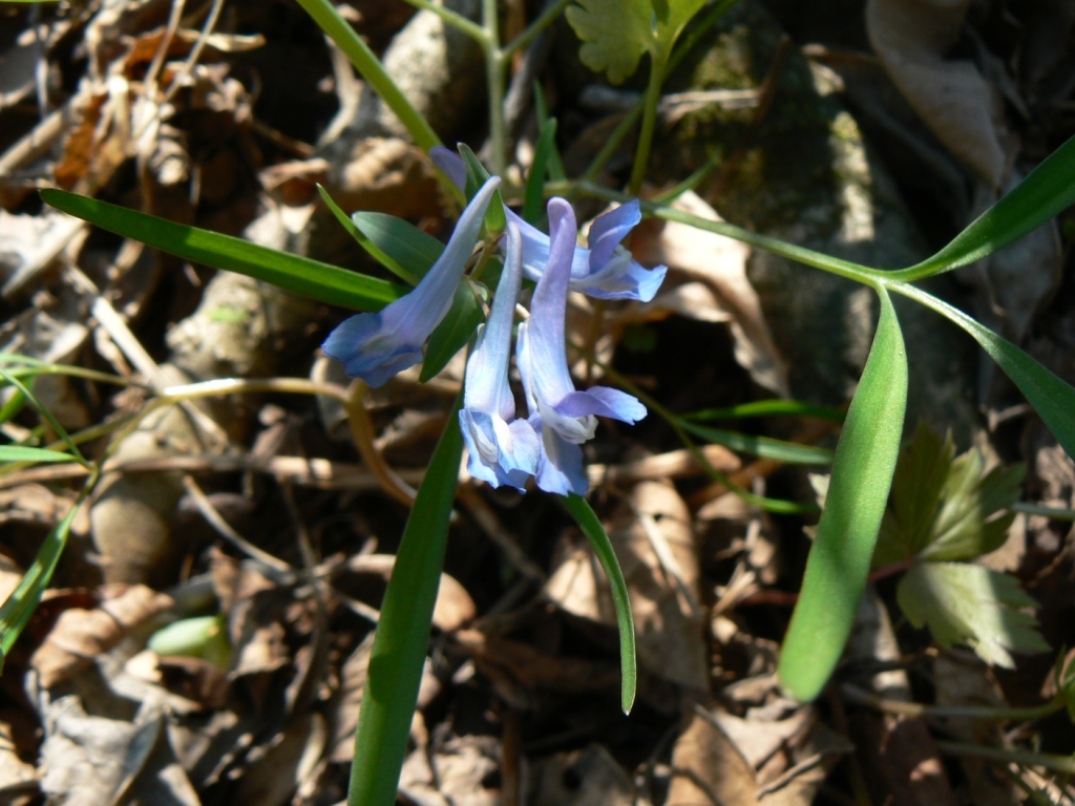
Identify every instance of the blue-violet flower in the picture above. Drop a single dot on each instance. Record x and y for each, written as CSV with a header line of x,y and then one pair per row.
x,y
376,346
564,416
605,270
501,448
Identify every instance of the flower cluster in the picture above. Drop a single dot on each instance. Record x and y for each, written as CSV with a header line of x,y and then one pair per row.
x,y
504,447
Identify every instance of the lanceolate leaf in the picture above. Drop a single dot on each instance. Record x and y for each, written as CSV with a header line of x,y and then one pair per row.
x,y
1052,398
410,248
310,278
974,606
24,453
764,447
591,526
1048,190
858,491
399,648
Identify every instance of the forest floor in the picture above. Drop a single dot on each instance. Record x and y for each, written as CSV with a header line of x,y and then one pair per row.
x,y
249,516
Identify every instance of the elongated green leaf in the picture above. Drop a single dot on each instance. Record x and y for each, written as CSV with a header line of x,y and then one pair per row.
x,y
534,200
379,255
858,491
22,602
1052,398
769,408
1047,191
591,526
310,278
764,447
399,648
24,453
451,335
61,432
413,250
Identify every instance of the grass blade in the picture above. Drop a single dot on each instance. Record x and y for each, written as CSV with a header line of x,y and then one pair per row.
x,y
1046,192
311,278
20,605
1052,398
591,526
764,447
399,648
858,492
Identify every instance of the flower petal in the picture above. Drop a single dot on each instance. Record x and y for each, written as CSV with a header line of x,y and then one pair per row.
x,y
376,346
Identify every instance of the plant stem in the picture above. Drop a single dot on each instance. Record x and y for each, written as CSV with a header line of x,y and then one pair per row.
x,y
495,62
989,713
649,121
371,69
1003,755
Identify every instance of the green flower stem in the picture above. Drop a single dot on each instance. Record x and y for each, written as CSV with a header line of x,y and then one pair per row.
x,y
649,121
544,20
1046,512
495,68
364,60
986,713
1003,755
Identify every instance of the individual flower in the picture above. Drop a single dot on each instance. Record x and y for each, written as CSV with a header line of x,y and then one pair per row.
x,y
377,346
501,448
564,416
605,270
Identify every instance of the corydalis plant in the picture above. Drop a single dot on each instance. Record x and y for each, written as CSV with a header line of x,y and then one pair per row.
x,y
504,448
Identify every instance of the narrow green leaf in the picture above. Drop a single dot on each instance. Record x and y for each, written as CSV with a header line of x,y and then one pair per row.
x,y
1052,398
534,200
452,334
20,605
591,526
61,432
769,408
399,648
1047,191
363,241
555,164
858,491
495,218
310,278
764,447
15,403
24,453
974,606
411,249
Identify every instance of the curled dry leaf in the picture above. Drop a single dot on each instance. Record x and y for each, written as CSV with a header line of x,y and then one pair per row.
x,y
955,101
80,635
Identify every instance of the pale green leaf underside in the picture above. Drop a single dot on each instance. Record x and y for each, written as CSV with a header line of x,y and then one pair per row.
x,y
970,605
855,504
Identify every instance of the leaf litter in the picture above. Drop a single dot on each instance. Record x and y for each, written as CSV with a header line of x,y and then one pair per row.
x,y
246,510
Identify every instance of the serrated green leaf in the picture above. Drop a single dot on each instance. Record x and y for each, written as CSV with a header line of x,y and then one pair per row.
x,y
1047,190
24,453
974,606
763,447
854,507
411,249
614,34
310,278
452,334
944,508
